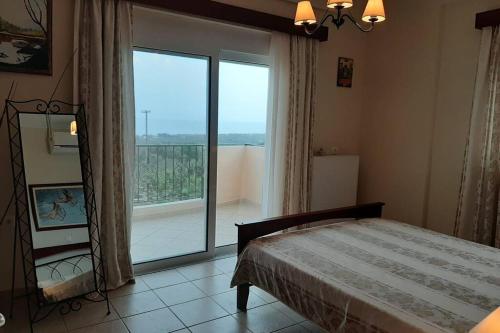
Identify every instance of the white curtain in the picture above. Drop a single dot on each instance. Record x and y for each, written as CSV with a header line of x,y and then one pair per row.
x,y
104,83
299,153
277,122
289,124
478,215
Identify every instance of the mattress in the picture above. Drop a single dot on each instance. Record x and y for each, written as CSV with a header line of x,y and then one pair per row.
x,y
376,275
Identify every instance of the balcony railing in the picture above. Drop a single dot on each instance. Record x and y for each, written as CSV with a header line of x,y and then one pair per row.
x,y
169,173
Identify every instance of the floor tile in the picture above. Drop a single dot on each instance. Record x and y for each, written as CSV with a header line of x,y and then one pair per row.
x,y
199,271
227,265
53,324
214,284
137,303
222,325
312,327
20,322
153,236
290,313
228,301
180,293
130,288
198,311
163,279
158,321
264,319
90,314
115,326
16,324
293,329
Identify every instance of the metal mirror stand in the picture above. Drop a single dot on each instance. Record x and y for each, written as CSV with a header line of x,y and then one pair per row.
x,y
38,307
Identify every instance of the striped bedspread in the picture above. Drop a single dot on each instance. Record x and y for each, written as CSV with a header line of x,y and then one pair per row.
x,y
376,275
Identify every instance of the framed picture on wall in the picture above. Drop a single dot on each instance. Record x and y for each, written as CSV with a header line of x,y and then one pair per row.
x,y
26,36
345,72
58,206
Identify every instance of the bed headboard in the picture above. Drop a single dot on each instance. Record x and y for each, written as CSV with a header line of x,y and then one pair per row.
x,y
249,231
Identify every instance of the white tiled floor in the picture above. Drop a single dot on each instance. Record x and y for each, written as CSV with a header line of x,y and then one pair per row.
x,y
193,299
183,233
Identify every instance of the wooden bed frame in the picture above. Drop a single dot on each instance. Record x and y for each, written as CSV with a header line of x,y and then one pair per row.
x,y
250,231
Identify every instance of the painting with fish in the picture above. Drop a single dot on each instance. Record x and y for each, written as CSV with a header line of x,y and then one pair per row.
x,y
58,206
25,36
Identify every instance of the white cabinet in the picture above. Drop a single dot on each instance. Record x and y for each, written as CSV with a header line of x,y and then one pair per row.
x,y
334,181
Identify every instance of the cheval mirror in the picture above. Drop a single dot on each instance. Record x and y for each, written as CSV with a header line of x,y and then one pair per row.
x,y
56,218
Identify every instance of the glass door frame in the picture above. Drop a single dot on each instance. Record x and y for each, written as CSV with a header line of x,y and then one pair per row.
x,y
242,58
214,60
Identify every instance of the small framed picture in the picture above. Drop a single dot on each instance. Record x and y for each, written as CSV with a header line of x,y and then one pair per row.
x,y
345,72
58,206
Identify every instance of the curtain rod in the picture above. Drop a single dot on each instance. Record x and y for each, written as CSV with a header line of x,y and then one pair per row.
x,y
234,14
488,19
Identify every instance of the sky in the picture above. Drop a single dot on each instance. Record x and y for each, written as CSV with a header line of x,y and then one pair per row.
x,y
175,90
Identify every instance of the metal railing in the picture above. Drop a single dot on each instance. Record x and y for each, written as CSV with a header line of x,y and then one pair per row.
x,y
169,173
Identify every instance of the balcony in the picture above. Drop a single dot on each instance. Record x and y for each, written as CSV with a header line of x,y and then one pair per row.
x,y
169,197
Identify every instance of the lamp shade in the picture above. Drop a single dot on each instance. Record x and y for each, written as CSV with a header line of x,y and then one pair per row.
x,y
374,11
490,324
342,3
72,128
305,13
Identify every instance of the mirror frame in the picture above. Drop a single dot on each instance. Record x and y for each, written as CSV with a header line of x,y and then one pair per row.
x,y
34,296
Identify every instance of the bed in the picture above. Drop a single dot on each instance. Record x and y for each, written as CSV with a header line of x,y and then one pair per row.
x,y
369,274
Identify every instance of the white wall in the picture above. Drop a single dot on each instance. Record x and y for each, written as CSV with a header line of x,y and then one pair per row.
x,y
458,60
252,174
338,110
229,165
32,86
398,109
406,114
420,78
240,172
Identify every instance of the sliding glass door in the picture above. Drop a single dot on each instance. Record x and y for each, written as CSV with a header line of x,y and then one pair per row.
x,y
200,153
171,178
243,92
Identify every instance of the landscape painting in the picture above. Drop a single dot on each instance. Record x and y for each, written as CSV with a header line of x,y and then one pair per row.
x,y
58,206
25,36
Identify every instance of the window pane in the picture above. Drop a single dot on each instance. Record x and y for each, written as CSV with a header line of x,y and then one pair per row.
x,y
243,90
171,94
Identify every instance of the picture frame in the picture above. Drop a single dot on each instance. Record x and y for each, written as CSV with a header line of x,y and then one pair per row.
x,y
26,36
58,206
345,72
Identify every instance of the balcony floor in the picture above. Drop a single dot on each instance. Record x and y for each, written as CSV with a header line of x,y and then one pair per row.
x,y
182,233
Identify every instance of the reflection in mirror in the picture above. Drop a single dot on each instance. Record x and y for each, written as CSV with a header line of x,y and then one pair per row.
x,y
59,225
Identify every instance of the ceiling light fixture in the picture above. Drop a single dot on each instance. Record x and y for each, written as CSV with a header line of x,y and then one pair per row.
x,y
374,13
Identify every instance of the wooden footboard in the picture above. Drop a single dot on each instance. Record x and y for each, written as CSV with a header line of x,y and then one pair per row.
x,y
250,231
